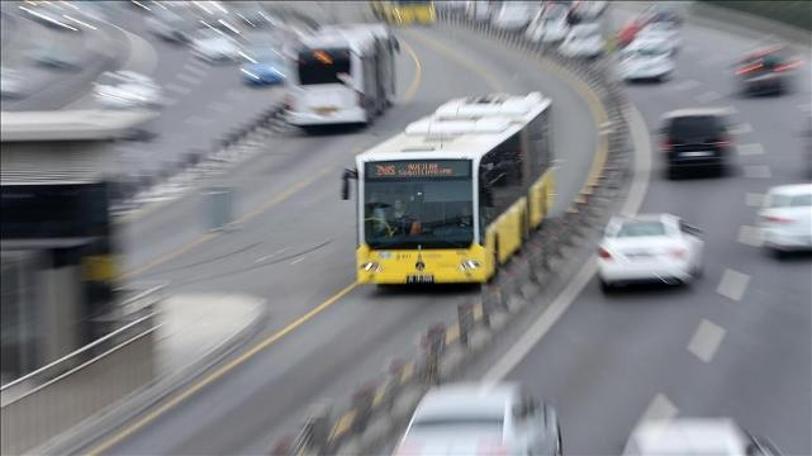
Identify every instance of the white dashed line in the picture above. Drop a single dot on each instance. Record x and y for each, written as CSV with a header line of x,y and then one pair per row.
x,y
179,89
687,85
194,69
297,260
189,79
706,340
660,408
758,171
750,149
708,97
754,199
278,252
741,129
750,235
733,284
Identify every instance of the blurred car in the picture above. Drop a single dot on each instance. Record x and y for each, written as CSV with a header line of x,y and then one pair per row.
x,y
215,46
512,16
806,133
666,31
12,83
661,13
127,90
264,69
49,14
549,25
646,58
785,218
475,419
583,40
56,55
766,70
698,437
696,139
628,33
590,9
649,248
170,26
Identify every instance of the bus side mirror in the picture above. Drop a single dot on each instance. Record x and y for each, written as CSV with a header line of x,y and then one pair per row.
x,y
345,182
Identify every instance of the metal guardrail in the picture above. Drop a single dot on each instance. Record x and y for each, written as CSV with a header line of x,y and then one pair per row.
x,y
52,399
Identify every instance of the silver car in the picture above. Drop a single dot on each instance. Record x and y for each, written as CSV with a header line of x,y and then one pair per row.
x,y
696,436
469,418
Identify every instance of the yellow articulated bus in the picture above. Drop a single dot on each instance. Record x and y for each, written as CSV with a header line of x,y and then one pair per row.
x,y
456,194
404,12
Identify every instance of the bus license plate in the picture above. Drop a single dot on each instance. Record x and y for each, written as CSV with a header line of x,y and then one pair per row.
x,y
420,279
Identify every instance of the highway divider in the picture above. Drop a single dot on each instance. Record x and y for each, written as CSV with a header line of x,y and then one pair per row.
x,y
368,419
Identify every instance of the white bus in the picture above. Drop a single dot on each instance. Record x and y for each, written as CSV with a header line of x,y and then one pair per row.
x,y
456,194
344,75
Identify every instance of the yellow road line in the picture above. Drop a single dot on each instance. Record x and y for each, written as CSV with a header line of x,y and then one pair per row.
x,y
411,91
452,334
343,425
217,374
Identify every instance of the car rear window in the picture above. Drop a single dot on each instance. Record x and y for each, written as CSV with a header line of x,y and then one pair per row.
x,y
481,423
639,229
693,127
791,200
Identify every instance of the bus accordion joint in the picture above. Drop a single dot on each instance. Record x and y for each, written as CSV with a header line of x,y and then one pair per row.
x,y
345,182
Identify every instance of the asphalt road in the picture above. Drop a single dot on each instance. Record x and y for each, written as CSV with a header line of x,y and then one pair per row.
x,y
737,343
294,246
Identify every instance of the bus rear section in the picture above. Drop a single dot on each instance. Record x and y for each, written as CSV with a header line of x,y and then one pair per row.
x,y
328,90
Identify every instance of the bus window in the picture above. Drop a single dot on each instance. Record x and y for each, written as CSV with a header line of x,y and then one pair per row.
x,y
323,66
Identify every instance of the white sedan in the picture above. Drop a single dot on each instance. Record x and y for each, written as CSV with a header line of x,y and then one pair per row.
x,y
474,419
666,31
696,436
786,218
583,40
548,26
646,58
215,46
649,248
127,89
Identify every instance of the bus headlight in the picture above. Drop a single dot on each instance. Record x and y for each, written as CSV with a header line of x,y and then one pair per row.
x,y
469,265
371,266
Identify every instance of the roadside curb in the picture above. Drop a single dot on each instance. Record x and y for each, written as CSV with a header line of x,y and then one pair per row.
x,y
116,415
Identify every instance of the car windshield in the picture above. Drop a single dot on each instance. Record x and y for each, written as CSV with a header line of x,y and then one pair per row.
x,y
780,200
640,229
648,51
323,66
478,424
428,210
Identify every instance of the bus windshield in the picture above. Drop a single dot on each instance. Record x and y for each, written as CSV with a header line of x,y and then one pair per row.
x,y
322,66
425,204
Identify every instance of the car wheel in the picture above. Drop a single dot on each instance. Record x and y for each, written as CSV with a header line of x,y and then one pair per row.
x,y
606,287
672,173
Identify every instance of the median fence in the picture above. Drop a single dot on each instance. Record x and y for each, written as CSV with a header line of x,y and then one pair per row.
x,y
368,419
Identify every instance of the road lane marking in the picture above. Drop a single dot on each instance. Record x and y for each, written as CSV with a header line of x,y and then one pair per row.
x,y
746,150
688,84
660,408
297,260
754,199
733,284
278,252
750,235
641,141
130,429
757,171
177,88
741,129
189,79
706,340
411,91
708,97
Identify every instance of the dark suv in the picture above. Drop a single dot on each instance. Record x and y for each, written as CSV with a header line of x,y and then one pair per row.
x,y
696,139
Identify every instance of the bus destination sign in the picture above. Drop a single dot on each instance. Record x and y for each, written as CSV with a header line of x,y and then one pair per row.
x,y
418,168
